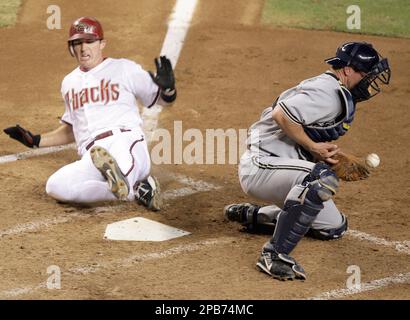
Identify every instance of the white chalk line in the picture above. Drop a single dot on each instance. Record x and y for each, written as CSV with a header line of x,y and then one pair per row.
x,y
178,25
364,287
140,258
35,152
399,246
193,186
15,292
125,262
33,226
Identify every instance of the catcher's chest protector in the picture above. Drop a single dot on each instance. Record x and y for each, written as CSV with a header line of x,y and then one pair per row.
x,y
323,133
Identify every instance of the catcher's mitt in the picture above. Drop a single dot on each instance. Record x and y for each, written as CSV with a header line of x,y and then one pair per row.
x,y
350,168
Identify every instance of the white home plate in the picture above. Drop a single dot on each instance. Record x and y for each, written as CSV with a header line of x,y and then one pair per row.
x,y
141,229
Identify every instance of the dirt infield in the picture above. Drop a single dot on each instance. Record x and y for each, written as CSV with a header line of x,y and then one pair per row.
x,y
230,68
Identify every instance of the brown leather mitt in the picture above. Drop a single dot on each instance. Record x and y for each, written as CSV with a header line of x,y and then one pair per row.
x,y
350,168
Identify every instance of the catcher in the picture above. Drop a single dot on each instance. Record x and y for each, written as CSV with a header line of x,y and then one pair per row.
x,y
291,154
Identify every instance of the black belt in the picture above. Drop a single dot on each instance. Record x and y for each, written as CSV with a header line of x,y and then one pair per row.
x,y
103,136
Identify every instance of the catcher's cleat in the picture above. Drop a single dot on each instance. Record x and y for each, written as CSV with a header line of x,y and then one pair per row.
x,y
280,266
244,213
250,218
148,193
240,212
108,167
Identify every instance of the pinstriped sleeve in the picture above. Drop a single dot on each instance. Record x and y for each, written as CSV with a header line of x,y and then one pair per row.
x,y
309,104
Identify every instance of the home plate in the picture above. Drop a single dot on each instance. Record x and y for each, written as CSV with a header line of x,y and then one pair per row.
x,y
141,229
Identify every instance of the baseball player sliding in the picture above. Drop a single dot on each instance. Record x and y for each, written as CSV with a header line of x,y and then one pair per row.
x,y
291,152
101,116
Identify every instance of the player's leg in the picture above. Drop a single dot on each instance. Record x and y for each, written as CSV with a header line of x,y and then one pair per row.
x,y
301,207
330,223
104,173
131,153
300,188
265,174
269,179
79,182
106,163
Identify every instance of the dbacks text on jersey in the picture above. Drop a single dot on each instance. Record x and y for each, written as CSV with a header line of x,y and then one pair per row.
x,y
104,93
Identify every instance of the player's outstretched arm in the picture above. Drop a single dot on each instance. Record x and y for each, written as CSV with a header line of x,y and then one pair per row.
x,y
165,80
62,135
321,151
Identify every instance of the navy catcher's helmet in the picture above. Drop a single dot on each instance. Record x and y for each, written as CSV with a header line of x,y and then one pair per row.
x,y
361,56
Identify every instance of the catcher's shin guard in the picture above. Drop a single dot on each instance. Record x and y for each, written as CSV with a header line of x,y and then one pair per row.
x,y
301,208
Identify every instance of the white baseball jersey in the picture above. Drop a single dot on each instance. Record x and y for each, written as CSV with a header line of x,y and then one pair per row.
x,y
105,98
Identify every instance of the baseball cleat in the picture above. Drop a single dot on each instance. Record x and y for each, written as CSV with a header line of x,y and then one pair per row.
x,y
109,168
247,215
280,266
241,212
148,193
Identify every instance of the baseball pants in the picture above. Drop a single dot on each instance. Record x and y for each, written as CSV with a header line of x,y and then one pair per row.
x,y
271,178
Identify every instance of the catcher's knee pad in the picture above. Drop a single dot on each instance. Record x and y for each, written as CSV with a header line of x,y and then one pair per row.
x,y
322,183
329,234
317,169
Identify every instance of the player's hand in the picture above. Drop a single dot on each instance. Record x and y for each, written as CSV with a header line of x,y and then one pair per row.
x,y
24,136
164,77
324,151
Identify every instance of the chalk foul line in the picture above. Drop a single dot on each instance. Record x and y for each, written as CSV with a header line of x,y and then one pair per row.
x,y
401,278
125,262
35,152
192,186
400,246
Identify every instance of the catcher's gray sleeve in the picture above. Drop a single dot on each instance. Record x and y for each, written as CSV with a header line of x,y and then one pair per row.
x,y
312,101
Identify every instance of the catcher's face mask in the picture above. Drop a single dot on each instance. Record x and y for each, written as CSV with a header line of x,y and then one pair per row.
x,y
369,86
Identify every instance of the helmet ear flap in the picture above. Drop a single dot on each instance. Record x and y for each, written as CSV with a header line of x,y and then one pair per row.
x,y
71,49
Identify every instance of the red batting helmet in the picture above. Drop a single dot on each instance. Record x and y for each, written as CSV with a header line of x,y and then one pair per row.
x,y
87,28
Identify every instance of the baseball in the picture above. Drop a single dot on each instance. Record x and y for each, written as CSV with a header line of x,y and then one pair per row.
x,y
372,160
